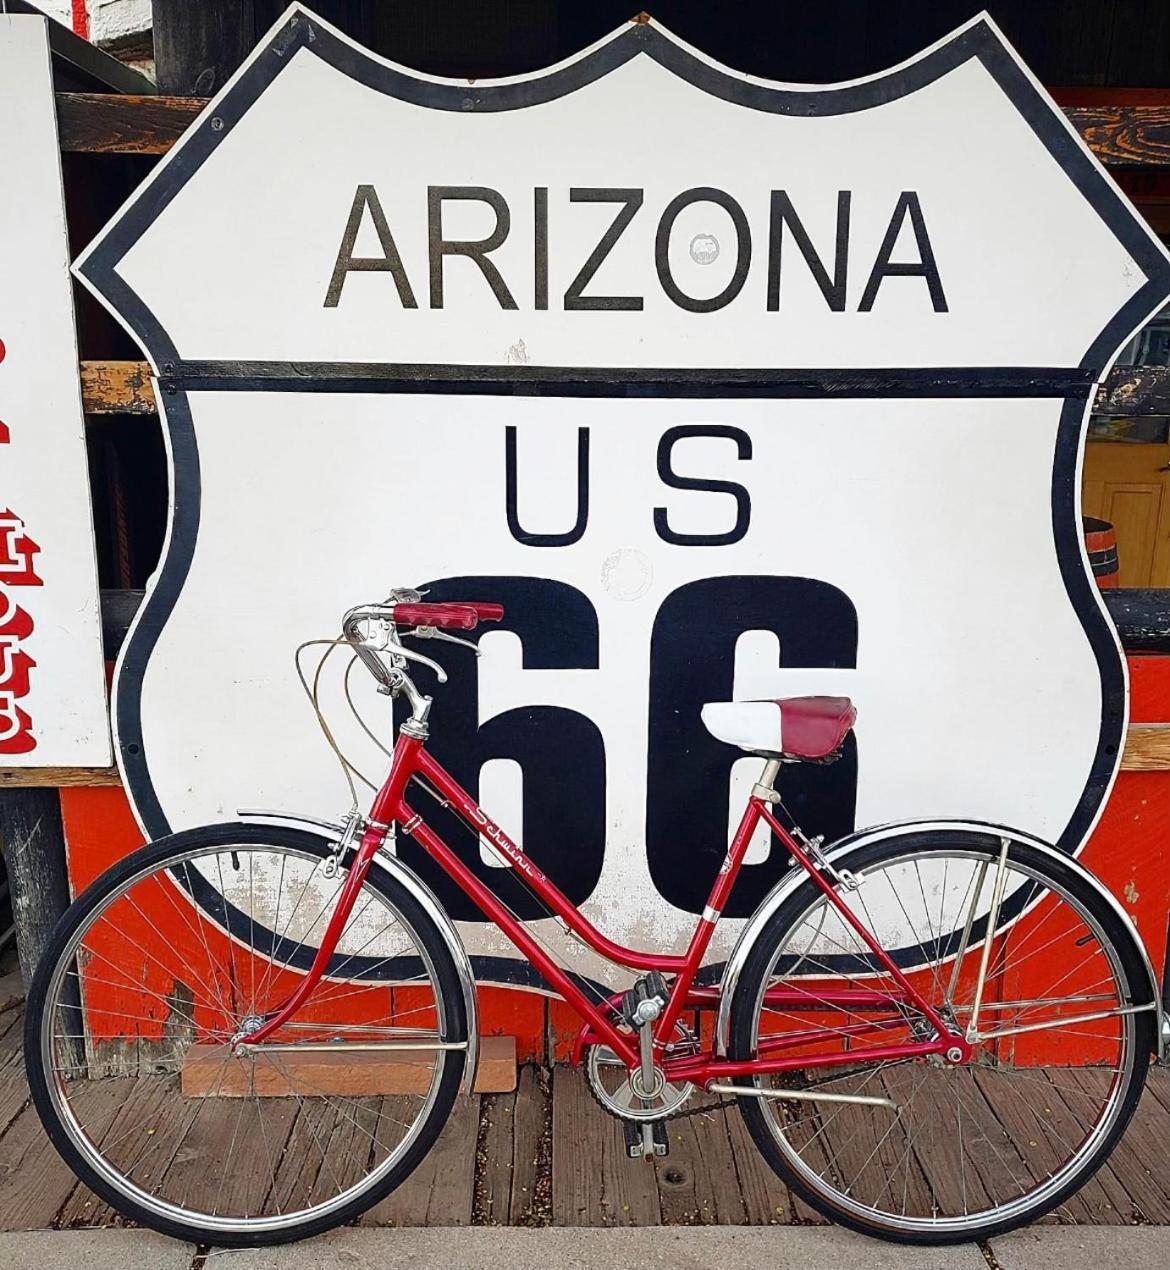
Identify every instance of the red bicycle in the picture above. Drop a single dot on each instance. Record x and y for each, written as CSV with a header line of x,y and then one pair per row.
x,y
251,1032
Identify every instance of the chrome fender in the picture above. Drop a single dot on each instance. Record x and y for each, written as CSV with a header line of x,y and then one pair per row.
x,y
427,900
835,854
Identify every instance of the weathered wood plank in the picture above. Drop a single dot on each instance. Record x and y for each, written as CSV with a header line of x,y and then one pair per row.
x,y
348,1074
1147,748
1158,1086
1065,1111
13,1086
1134,390
494,1160
439,1192
327,1151
100,123
117,387
109,1111
954,1163
874,1148
1124,136
57,777
11,1036
34,1181
124,387
1131,1159
1142,617
1029,1119
594,1182
531,1201
767,1201
107,123
204,1165
697,1182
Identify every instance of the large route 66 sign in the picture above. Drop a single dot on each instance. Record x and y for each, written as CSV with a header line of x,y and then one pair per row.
x,y
726,389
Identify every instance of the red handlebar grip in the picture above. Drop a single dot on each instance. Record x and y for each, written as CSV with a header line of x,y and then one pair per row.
x,y
449,617
489,612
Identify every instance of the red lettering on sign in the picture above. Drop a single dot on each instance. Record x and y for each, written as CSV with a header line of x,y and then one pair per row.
x,y
15,727
13,619
15,664
16,552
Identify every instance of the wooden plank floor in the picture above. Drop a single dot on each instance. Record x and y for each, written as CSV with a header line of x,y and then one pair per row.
x,y
547,1154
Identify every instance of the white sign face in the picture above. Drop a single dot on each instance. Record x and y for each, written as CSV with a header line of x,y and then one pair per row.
x,y
52,677
727,390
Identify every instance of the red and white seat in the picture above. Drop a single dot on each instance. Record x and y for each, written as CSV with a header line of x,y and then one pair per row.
x,y
792,727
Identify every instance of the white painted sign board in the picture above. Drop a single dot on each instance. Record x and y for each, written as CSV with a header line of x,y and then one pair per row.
x,y
52,677
726,389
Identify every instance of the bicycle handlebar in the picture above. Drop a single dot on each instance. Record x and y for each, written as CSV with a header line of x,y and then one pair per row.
x,y
448,617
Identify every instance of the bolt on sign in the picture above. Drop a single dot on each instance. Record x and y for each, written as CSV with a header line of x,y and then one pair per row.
x,y
52,679
726,389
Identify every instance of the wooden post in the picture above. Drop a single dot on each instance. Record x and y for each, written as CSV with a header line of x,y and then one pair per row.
x,y
197,47
34,855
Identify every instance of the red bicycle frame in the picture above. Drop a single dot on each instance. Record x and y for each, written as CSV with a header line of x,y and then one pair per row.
x,y
602,1022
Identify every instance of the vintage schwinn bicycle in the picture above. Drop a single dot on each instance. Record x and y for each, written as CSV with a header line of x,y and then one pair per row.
x,y
251,1032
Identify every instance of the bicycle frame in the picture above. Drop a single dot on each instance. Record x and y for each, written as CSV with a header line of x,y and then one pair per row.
x,y
411,760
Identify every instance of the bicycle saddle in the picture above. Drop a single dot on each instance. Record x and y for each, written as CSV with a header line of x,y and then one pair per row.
x,y
792,727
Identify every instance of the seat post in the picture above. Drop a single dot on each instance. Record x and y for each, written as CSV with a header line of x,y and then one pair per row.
x,y
768,775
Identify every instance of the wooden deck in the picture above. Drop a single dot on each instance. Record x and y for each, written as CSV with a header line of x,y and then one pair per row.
x,y
548,1155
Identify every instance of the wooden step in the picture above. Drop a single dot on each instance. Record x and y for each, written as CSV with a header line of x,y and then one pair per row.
x,y
349,1073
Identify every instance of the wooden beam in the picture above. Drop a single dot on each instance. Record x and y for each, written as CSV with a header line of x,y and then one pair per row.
x,y
1135,390
33,846
117,388
198,46
344,1072
1147,748
104,123
1125,136
109,387
57,777
101,123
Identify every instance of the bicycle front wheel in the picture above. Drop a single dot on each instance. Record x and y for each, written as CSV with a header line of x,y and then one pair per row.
x,y
1006,944
190,943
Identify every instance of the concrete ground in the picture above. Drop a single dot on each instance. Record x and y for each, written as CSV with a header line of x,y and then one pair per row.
x,y
664,1248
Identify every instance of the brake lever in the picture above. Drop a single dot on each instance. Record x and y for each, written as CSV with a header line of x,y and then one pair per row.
x,y
384,643
433,632
410,655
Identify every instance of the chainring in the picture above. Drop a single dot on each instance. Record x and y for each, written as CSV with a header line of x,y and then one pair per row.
x,y
616,1094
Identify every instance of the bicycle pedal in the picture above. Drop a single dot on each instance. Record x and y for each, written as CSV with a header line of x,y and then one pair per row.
x,y
651,987
636,1144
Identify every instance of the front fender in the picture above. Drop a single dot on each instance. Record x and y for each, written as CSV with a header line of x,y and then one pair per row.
x,y
428,902
835,852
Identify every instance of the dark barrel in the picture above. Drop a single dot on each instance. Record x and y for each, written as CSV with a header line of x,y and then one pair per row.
x,y
1101,544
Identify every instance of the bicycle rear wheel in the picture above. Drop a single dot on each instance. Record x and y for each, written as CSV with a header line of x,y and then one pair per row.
x,y
191,942
1065,1028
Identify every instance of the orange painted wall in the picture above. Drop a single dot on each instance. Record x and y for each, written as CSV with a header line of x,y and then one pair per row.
x,y
1129,851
